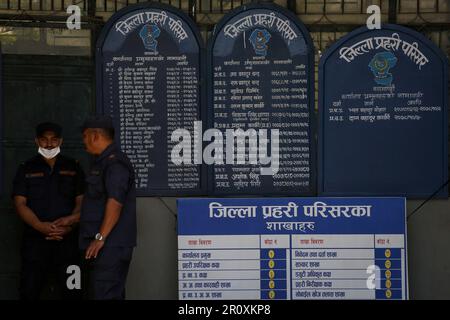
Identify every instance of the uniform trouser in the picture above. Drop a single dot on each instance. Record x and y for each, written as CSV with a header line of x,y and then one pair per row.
x,y
40,259
108,273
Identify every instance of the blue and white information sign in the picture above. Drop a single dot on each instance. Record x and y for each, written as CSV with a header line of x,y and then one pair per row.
x,y
292,248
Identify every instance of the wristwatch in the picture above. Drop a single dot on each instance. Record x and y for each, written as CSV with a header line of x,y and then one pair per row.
x,y
99,237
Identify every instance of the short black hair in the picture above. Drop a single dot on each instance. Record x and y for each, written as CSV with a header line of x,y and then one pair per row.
x,y
108,132
43,127
98,122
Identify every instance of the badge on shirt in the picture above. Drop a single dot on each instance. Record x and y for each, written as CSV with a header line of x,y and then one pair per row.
x,y
34,175
67,173
95,173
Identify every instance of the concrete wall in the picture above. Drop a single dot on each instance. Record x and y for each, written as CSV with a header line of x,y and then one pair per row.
x,y
153,273
154,270
429,250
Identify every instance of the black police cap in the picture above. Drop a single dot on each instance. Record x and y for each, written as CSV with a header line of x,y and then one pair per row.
x,y
98,122
48,126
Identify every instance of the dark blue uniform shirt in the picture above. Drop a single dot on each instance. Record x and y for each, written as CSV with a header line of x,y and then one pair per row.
x,y
50,192
110,176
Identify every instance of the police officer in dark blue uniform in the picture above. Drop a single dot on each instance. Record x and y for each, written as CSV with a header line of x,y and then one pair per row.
x,y
47,194
108,213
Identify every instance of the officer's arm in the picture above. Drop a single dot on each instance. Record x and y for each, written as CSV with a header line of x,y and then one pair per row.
x,y
74,217
112,214
80,191
28,216
117,185
19,197
77,210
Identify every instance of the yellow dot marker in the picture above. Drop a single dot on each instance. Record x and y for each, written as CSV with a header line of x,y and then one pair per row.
x,y
388,294
271,254
271,264
388,274
271,294
387,253
388,284
271,284
271,274
387,264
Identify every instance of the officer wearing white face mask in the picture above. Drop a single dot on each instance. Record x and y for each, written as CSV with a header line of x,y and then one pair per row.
x,y
47,195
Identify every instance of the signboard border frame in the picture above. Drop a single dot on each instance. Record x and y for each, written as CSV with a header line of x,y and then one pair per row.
x,y
156,192
399,198
311,95
320,150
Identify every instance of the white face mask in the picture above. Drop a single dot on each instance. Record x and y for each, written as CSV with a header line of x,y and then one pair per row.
x,y
49,154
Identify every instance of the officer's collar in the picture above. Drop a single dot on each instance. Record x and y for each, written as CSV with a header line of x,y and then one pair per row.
x,y
108,151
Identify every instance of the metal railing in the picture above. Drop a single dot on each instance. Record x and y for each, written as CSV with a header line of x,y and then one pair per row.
x,y
327,20
223,6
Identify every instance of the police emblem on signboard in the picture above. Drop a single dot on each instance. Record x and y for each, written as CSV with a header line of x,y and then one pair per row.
x,y
380,65
148,34
259,39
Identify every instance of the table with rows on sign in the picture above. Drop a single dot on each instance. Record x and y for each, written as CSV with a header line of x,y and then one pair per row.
x,y
315,259
291,267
